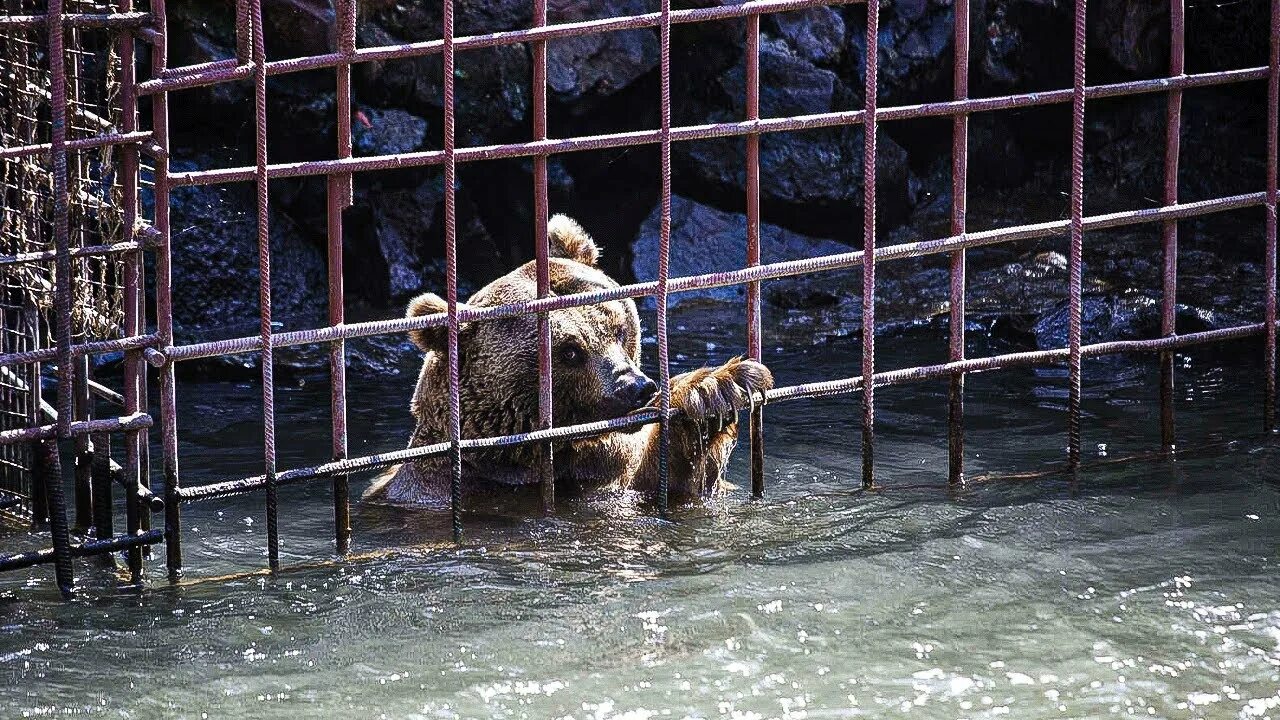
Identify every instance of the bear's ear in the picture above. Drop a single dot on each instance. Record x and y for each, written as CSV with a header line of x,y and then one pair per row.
x,y
432,338
568,240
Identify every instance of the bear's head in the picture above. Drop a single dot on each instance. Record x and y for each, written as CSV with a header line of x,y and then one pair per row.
x,y
595,349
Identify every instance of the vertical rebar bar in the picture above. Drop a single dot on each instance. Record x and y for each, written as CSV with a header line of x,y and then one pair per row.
x,y
339,195
56,495
869,246
959,212
134,310
451,275
1077,236
261,182
541,214
754,339
164,297
62,268
101,480
1273,121
83,470
61,208
1169,230
664,263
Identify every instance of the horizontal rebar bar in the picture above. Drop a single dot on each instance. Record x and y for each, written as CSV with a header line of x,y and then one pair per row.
x,y
84,549
770,271
92,348
83,251
687,133
782,394
124,20
97,141
135,421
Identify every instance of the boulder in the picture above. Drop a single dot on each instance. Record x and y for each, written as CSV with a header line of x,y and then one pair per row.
x,y
706,240
813,177
581,69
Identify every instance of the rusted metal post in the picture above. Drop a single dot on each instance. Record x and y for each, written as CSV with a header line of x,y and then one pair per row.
x,y
451,275
541,214
257,33
959,212
1169,230
1077,237
869,128
164,299
664,263
339,196
1273,121
754,339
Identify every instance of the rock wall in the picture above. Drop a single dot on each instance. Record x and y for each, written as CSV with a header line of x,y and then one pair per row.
x,y
811,61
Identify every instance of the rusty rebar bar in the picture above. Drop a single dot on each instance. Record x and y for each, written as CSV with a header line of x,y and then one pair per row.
x,y
1169,229
541,249
1269,263
339,191
869,127
451,274
664,260
959,213
1076,253
754,329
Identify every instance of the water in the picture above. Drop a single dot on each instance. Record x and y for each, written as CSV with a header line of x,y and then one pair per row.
x,y
1146,588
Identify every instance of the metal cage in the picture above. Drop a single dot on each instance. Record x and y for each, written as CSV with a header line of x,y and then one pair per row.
x,y
125,143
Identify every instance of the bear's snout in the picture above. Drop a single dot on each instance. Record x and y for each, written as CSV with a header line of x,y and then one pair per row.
x,y
633,389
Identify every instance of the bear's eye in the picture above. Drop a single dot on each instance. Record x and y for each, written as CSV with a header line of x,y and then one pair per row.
x,y
572,354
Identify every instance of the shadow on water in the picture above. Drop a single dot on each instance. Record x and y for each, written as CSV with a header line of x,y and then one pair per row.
x,y
1146,585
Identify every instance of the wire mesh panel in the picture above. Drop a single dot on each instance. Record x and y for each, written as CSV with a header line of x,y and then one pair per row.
x,y
70,274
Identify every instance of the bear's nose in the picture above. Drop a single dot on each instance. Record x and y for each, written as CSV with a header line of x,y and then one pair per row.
x,y
635,389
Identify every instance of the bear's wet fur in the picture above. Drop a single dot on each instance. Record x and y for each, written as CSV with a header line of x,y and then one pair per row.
x,y
595,376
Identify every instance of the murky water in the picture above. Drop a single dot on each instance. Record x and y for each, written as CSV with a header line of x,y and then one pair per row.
x,y
1147,588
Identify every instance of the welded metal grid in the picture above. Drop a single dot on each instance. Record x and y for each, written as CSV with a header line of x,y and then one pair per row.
x,y
250,63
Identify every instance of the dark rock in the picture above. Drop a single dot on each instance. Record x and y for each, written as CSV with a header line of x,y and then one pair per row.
x,y
215,262
705,240
298,27
491,96
816,34
388,132
1134,35
594,66
819,171
916,53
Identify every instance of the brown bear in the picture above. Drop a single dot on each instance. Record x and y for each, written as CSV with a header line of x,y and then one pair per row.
x,y
595,375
